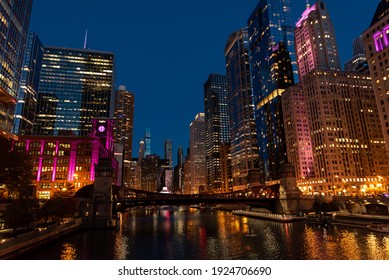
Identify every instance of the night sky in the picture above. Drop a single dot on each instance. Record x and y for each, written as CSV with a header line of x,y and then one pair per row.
x,y
165,49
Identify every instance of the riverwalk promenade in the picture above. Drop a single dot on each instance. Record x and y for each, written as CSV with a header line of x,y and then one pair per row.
x,y
11,248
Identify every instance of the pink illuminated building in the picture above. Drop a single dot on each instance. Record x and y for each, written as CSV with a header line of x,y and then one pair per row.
x,y
67,162
297,132
376,41
315,40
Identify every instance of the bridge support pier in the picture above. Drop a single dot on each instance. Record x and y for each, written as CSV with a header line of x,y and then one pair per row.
x,y
97,211
290,200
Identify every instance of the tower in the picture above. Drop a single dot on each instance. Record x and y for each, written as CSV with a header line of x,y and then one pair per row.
x,y
147,142
169,152
217,127
197,154
76,86
14,23
28,89
243,132
123,127
315,40
271,38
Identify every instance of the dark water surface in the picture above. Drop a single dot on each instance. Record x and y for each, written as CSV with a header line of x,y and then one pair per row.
x,y
182,233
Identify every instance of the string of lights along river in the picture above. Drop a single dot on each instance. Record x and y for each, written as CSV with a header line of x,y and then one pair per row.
x,y
186,233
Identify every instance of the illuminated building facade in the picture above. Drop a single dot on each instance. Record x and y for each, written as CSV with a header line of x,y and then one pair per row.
x,y
347,140
315,40
269,25
217,127
376,42
297,132
14,23
197,153
151,173
67,163
123,128
244,154
76,86
147,142
28,90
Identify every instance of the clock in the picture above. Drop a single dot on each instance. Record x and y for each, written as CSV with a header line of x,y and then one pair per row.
x,y
101,128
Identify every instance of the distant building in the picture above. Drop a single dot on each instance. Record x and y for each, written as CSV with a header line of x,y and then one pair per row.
x,y
28,89
147,142
169,152
67,162
76,86
151,173
376,42
217,127
123,128
244,154
358,62
14,23
178,174
197,154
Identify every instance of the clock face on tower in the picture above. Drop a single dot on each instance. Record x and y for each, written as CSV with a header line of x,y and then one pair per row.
x,y
101,128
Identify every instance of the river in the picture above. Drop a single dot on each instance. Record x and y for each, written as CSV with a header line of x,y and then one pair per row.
x,y
192,234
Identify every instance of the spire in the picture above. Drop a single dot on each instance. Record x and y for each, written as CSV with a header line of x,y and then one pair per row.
x,y
308,5
85,40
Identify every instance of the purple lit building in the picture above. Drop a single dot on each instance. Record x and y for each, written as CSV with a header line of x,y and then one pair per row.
x,y
67,162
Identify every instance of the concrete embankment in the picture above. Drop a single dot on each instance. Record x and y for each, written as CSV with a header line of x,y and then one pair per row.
x,y
268,216
358,220
14,247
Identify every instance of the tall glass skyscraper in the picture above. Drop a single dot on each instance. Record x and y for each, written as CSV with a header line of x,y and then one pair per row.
x,y
217,127
28,90
243,132
14,23
268,26
123,127
76,86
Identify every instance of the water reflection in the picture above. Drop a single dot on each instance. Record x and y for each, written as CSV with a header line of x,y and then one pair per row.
x,y
69,252
194,234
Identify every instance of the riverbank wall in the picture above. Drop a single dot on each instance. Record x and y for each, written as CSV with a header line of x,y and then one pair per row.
x,y
22,244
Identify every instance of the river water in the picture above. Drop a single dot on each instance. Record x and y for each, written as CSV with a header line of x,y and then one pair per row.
x,y
182,233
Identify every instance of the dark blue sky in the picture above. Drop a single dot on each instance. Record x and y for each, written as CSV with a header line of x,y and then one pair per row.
x,y
165,49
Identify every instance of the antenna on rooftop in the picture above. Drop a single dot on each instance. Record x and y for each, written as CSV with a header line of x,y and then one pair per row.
x,y
86,39
308,5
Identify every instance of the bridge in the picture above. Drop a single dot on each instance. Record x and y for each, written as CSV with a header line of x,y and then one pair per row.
x,y
260,197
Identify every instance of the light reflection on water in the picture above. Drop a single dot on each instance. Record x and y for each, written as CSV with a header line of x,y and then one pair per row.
x,y
194,234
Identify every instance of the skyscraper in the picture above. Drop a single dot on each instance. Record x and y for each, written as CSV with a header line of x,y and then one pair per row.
x,y
147,142
76,86
197,155
243,133
376,42
28,89
347,144
123,127
271,40
14,23
315,40
217,127
169,152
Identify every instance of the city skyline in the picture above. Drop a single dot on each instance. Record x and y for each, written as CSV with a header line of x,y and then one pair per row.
x,y
150,46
